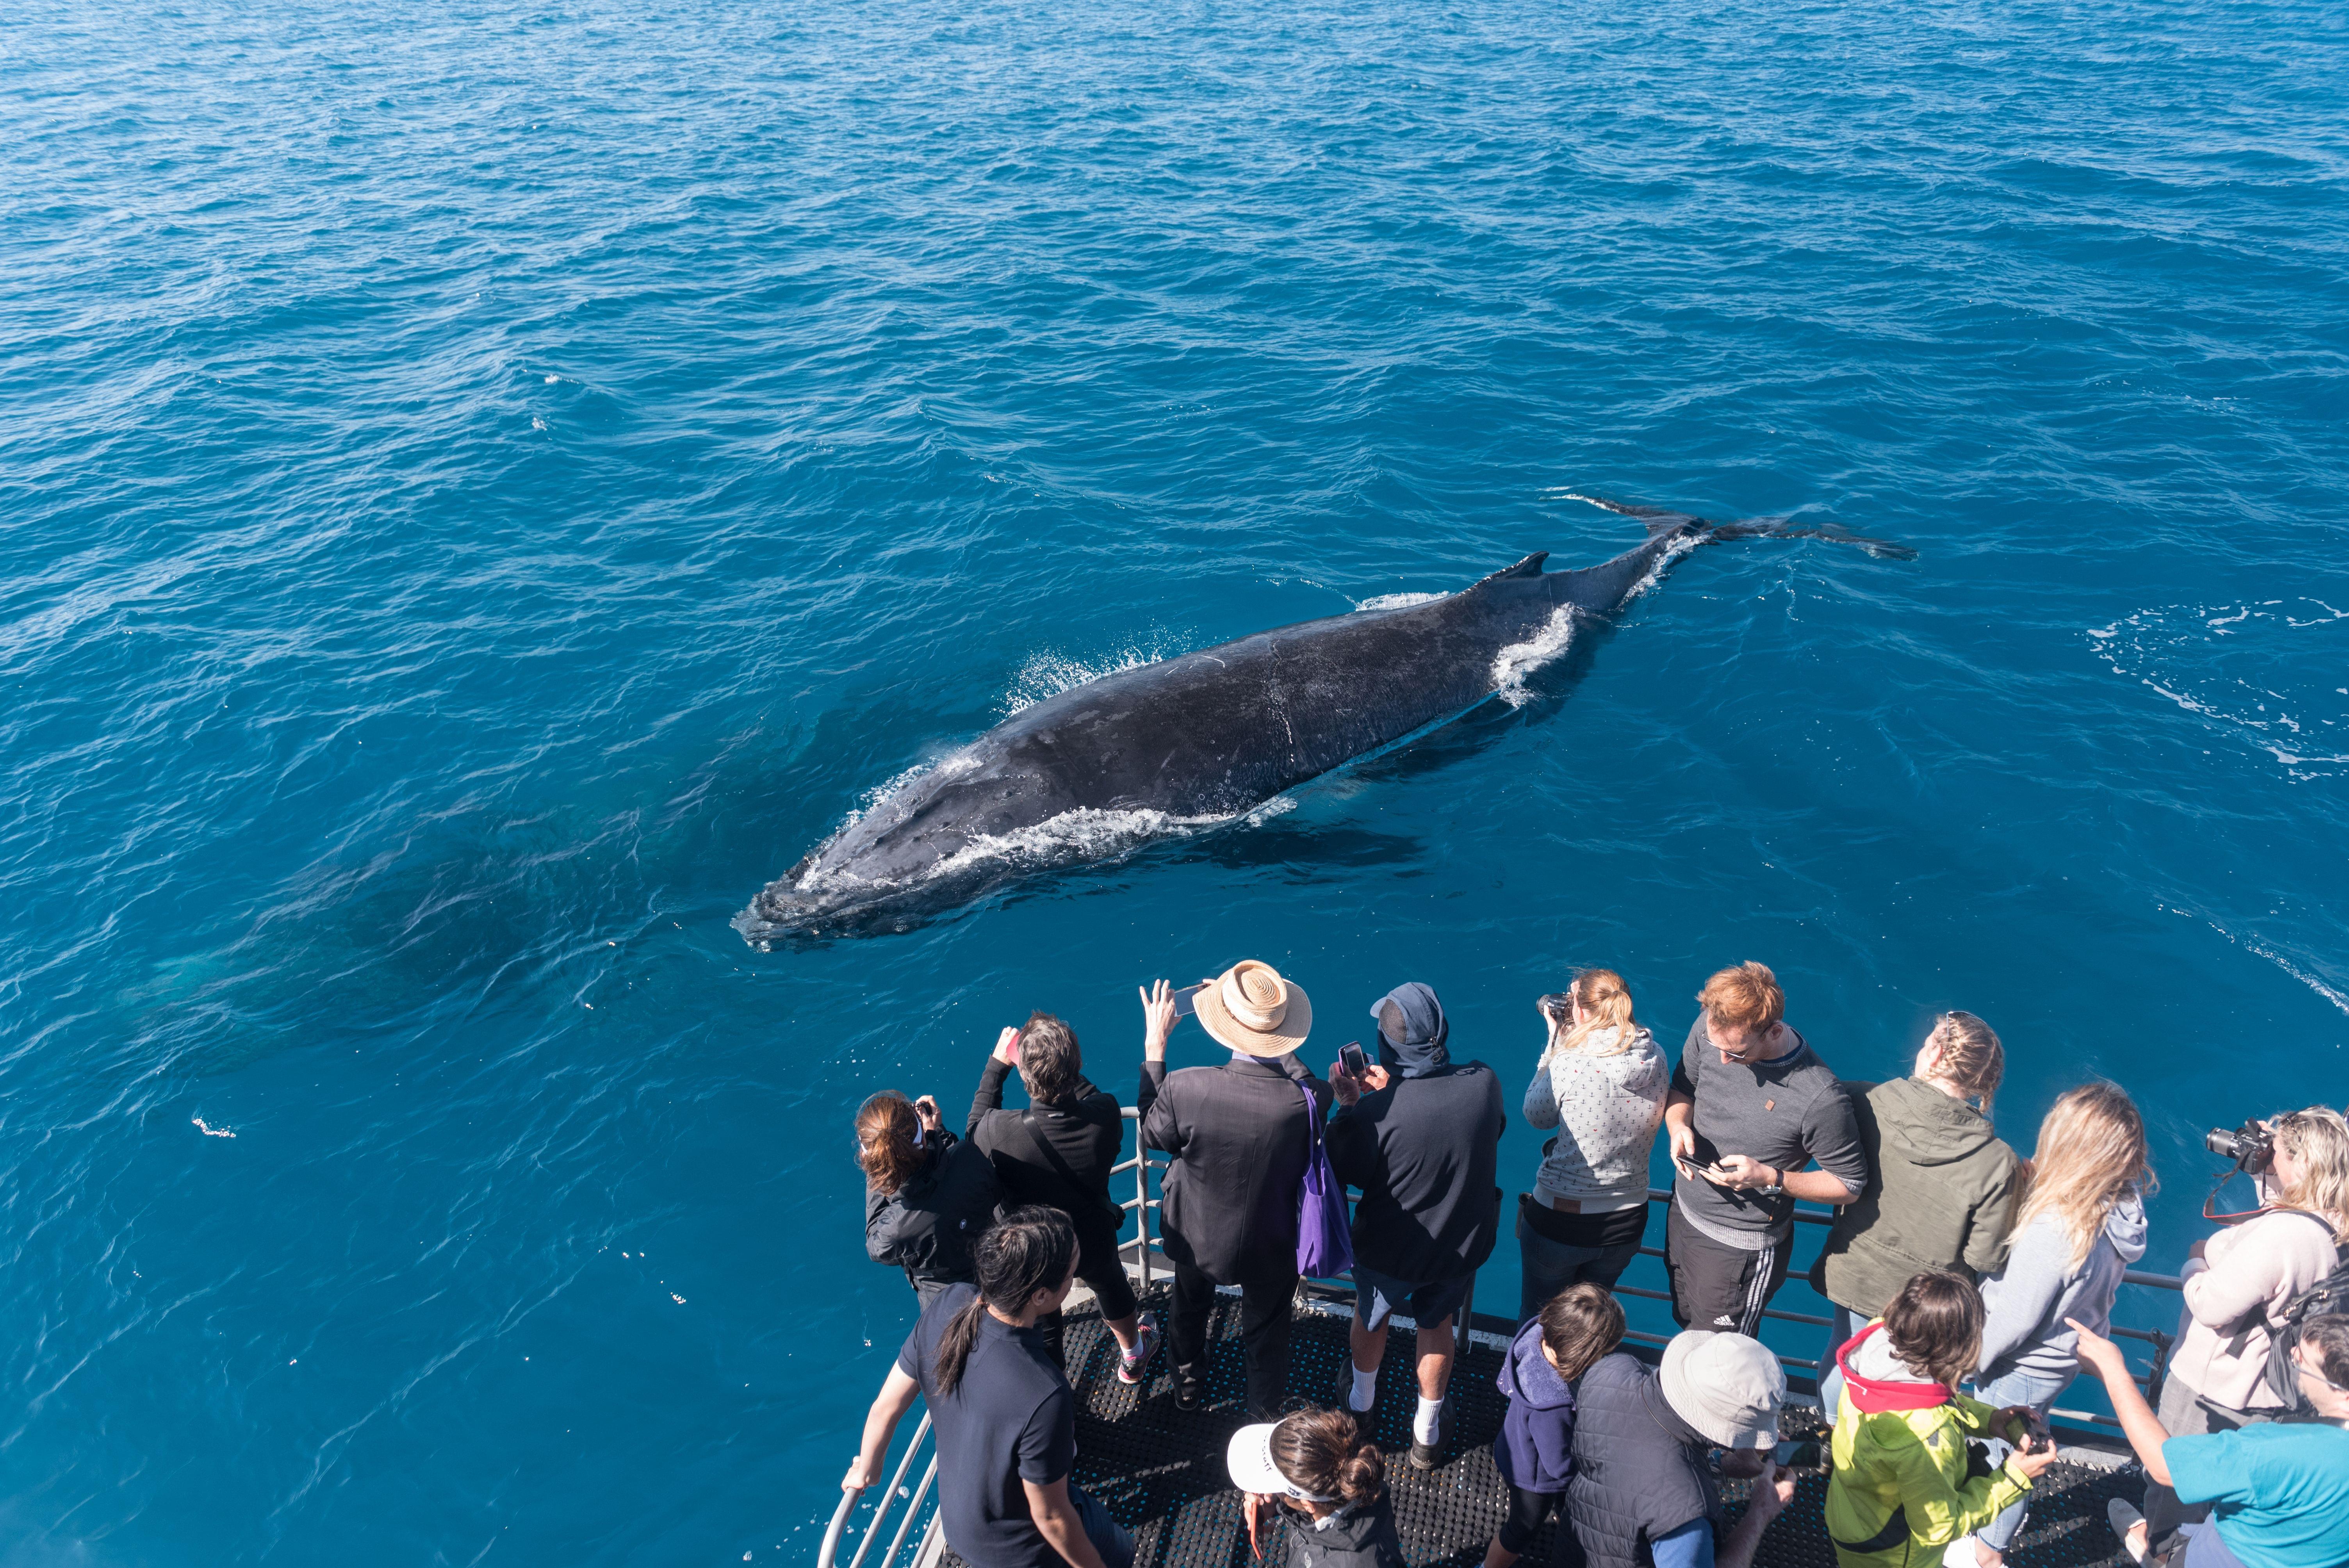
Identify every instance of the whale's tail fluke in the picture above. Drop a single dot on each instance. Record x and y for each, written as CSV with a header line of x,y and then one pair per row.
x,y
1663,519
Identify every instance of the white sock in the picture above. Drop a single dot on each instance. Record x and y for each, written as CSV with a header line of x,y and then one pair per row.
x,y
1366,1390
1422,1424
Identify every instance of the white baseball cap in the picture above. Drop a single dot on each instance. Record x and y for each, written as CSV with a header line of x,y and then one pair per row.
x,y
1249,1459
1727,1387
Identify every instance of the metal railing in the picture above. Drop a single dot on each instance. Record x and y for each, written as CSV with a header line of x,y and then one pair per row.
x,y
1145,1260
843,1517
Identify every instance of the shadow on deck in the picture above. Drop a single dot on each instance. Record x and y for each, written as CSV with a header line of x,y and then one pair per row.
x,y
1160,1470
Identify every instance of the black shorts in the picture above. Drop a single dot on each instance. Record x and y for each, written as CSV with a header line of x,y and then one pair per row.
x,y
1716,1285
1527,1512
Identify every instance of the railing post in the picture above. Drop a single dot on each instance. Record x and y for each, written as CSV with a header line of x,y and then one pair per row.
x,y
1141,1200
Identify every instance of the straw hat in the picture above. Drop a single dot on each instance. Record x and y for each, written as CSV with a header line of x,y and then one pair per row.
x,y
1253,1011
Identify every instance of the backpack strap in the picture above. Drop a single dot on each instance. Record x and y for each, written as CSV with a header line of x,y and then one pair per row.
x,y
1052,1157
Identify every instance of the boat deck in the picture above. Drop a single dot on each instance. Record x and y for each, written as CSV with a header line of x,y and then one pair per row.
x,y
1160,1470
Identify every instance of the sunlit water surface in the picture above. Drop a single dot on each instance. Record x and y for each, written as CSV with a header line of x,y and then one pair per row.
x,y
487,489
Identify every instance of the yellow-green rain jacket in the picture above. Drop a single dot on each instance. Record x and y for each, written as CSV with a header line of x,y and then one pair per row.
x,y
1900,1493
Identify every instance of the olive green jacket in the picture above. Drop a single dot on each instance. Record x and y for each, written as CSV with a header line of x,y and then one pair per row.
x,y
1941,1193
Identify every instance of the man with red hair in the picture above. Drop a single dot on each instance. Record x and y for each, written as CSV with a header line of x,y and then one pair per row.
x,y
1751,1108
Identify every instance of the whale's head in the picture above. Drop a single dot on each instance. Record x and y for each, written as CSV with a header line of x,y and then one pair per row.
x,y
930,841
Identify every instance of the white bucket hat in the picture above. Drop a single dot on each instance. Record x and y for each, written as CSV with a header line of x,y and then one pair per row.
x,y
1727,1387
1253,1011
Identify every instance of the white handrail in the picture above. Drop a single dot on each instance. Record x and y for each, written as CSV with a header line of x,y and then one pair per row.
x,y
830,1555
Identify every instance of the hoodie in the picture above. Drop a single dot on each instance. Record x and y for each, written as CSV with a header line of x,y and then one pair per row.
x,y
1424,1027
2040,1285
1425,1150
1609,1107
1940,1193
1535,1450
1902,1487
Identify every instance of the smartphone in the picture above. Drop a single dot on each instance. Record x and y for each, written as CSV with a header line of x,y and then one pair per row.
x,y
1803,1454
1186,1000
1351,1058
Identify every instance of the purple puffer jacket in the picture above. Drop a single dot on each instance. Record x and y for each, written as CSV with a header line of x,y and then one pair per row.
x,y
1535,1450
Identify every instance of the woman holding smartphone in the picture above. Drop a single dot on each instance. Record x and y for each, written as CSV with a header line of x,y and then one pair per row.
x,y
1601,1082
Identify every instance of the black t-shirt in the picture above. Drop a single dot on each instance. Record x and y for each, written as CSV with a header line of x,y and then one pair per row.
x,y
1010,1420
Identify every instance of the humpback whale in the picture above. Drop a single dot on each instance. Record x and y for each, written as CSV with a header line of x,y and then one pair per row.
x,y
1210,735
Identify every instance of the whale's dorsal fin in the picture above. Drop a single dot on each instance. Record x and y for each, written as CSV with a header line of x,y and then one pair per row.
x,y
1531,567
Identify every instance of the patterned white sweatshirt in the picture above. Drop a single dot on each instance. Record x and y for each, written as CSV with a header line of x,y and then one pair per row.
x,y
1610,1107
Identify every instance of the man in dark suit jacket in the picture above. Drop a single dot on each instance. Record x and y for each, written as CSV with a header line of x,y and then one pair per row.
x,y
1239,1136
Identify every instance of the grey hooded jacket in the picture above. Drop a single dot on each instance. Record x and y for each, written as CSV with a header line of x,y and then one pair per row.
x,y
2041,1286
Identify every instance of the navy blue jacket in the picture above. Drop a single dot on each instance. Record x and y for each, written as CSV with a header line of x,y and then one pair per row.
x,y
1535,1452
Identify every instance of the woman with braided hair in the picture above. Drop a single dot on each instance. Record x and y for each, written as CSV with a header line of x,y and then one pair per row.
x,y
1001,1411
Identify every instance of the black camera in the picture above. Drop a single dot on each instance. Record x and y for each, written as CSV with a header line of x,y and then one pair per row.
x,y
2251,1146
1558,1006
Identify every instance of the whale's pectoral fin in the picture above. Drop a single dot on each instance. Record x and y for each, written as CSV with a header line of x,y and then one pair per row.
x,y
1784,528
1658,519
1531,567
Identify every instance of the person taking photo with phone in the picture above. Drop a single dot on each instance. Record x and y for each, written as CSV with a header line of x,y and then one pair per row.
x,y
1238,1135
1751,1106
927,1193
1421,1135
1600,1082
1060,1153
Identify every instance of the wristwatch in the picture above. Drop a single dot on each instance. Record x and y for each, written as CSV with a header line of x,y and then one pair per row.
x,y
1777,1187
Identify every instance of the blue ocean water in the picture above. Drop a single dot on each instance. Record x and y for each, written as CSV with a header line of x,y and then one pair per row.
x,y
487,488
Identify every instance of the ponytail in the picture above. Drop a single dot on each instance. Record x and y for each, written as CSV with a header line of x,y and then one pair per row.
x,y
1326,1453
1030,1251
1606,1005
886,1150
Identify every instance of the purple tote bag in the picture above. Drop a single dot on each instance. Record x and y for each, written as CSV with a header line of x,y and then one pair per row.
x,y
1325,1241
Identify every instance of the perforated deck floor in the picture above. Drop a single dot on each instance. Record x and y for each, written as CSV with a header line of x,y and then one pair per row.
x,y
1160,1470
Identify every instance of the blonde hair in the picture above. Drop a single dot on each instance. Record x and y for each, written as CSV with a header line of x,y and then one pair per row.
x,y
2091,1153
1606,1005
1744,997
1972,1056
2319,1139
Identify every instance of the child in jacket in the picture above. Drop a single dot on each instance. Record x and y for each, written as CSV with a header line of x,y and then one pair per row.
x,y
1535,1450
1905,1484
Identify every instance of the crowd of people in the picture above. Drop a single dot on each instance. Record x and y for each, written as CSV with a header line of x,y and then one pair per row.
x,y
1969,1284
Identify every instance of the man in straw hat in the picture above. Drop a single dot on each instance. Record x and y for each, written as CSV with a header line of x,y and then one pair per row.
x,y
1239,1135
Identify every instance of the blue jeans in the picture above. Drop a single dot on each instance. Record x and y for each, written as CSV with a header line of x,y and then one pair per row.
x,y
1546,1267
1110,1538
1847,1324
2038,1390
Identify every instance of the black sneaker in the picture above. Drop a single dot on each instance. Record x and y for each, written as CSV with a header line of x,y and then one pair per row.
x,y
1430,1456
1190,1390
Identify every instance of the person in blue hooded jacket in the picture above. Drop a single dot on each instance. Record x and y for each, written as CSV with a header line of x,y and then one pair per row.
x,y
1534,1452
1421,1135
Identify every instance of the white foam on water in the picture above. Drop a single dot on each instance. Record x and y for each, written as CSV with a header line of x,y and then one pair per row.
x,y
1678,545
1395,601
209,1130
1047,674
2261,674
1513,663
1086,834
2253,944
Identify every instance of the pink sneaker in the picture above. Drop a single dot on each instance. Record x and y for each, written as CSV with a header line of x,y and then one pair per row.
x,y
1131,1363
